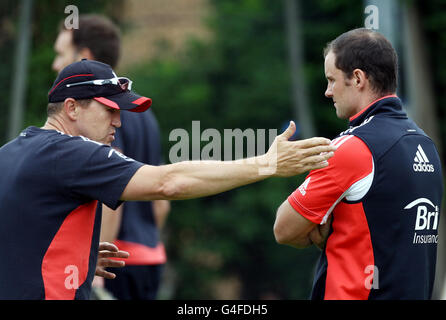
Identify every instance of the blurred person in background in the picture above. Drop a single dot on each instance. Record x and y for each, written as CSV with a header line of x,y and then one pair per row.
x,y
135,226
375,209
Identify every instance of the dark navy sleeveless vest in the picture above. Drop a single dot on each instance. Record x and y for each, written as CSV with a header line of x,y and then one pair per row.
x,y
402,206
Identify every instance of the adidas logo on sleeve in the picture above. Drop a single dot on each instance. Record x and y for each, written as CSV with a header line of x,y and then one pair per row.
x,y
304,186
421,162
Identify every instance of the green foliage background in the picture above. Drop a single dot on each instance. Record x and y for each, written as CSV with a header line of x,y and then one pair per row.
x,y
238,79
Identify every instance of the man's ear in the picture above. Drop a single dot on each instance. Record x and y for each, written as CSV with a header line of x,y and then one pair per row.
x,y
71,108
359,78
86,53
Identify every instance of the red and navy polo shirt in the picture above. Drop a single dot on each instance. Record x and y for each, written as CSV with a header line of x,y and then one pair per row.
x,y
383,188
49,229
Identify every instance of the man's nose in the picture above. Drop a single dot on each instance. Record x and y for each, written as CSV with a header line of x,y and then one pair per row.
x,y
328,92
116,122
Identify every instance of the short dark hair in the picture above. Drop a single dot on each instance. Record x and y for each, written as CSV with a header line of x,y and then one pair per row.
x,y
54,108
369,51
100,35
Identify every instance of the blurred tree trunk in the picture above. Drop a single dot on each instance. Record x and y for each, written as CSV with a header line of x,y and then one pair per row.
x,y
20,69
301,110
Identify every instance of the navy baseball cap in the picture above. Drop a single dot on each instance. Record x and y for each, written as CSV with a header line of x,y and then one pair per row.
x,y
89,79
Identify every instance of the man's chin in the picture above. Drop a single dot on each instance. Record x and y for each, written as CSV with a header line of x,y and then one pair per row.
x,y
109,140
341,115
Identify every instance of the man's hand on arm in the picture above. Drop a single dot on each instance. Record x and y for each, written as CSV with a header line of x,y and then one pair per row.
x,y
290,158
319,234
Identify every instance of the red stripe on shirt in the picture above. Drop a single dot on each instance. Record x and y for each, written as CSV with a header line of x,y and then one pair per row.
x,y
141,254
65,264
349,255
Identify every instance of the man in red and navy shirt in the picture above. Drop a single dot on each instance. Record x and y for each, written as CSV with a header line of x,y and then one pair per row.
x,y
377,203
53,177
135,226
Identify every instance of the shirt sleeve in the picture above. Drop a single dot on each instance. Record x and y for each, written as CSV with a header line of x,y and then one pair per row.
x,y
349,170
94,171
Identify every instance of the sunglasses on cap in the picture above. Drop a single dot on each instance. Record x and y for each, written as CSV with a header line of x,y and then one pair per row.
x,y
124,83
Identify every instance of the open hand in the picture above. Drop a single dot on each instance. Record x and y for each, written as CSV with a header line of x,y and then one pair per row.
x,y
289,158
106,252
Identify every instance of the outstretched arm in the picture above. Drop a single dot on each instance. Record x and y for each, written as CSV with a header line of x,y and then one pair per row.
x,y
193,179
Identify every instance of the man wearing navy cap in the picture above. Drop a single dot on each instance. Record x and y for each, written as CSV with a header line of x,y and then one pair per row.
x,y
53,177
135,226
